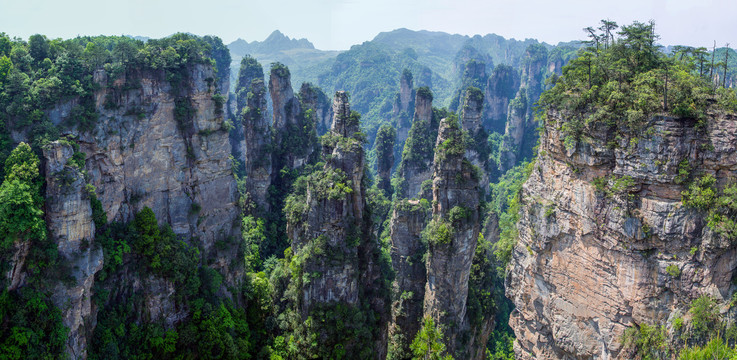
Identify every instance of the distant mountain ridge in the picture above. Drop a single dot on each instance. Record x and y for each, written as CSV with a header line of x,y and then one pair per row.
x,y
276,41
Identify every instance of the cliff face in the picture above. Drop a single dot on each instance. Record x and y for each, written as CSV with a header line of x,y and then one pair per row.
x,y
501,87
417,157
472,122
453,233
408,219
402,110
520,135
312,98
69,220
591,263
330,229
295,134
252,111
334,222
166,149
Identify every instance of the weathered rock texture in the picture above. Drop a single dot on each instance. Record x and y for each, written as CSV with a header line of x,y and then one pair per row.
x,y
166,149
408,220
69,220
252,113
334,222
456,205
332,234
403,109
520,135
501,87
417,157
294,134
384,149
588,265
472,121
312,98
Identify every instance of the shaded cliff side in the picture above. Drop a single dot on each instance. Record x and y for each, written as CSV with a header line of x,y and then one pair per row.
x,y
603,229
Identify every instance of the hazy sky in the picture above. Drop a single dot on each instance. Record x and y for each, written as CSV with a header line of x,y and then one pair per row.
x,y
338,24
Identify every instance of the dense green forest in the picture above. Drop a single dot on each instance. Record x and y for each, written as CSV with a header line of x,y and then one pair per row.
x,y
618,79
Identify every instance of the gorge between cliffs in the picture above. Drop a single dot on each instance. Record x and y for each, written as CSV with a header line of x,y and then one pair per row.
x,y
486,198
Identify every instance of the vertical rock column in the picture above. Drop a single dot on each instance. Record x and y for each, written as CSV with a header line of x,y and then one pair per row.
x,y
257,133
384,148
291,130
408,289
70,224
472,122
402,107
452,233
417,157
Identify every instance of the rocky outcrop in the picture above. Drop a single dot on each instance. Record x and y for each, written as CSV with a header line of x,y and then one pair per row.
x,y
165,148
330,231
477,150
590,262
69,220
295,134
384,150
520,135
403,110
311,97
514,132
417,157
334,222
252,113
452,233
408,219
501,88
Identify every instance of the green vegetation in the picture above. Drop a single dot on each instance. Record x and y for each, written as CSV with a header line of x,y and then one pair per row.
x,y
505,204
704,334
428,343
625,82
720,205
39,74
673,270
30,324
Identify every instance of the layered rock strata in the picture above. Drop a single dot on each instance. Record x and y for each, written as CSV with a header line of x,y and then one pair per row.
x,y
591,262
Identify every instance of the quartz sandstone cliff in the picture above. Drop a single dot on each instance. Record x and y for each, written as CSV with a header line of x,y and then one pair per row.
x,y
589,264
69,220
456,208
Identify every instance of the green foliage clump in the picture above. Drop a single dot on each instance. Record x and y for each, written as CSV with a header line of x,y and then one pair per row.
x,y
428,343
649,342
454,146
505,204
626,82
673,270
30,326
21,216
327,183
721,206
438,232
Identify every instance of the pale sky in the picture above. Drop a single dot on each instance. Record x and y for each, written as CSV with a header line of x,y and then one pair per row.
x,y
338,24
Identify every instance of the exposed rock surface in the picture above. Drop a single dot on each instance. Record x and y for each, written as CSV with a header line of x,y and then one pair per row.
x,y
501,87
588,265
520,135
294,134
417,157
314,99
402,110
408,220
69,220
456,207
514,132
166,149
472,122
252,112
